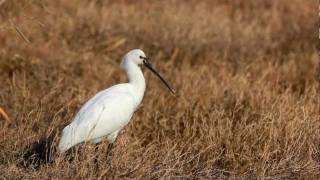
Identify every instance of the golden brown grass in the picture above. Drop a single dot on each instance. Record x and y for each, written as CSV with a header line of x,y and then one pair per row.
x,y
247,102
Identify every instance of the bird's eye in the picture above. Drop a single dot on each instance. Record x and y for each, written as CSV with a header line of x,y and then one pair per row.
x,y
140,57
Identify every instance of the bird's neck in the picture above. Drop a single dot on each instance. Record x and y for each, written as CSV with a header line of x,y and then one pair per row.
x,y
136,79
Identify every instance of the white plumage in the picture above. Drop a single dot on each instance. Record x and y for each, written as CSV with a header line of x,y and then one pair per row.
x,y
105,114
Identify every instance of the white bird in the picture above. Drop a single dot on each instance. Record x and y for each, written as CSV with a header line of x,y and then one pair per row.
x,y
110,110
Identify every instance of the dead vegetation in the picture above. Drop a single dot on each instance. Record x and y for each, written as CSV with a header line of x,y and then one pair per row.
x,y
247,102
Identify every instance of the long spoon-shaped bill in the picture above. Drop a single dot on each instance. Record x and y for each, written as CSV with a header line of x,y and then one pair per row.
x,y
149,66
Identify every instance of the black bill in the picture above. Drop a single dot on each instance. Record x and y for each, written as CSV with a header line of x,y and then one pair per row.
x,y
149,66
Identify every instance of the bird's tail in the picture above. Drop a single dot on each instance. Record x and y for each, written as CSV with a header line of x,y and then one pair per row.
x,y
67,138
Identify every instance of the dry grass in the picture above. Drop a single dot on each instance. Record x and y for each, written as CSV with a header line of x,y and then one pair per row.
x,y
247,106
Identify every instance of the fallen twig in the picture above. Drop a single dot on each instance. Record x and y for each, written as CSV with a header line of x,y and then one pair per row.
x,y
2,2
20,32
116,44
4,114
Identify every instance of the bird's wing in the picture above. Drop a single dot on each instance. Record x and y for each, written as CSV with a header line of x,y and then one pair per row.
x,y
111,96
107,111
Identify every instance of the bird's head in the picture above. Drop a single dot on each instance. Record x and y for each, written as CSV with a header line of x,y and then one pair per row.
x,y
137,57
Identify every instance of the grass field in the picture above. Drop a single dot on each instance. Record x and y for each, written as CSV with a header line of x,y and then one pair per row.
x,y
248,94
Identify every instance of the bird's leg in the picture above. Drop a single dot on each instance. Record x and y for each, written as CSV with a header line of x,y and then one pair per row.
x,y
109,154
95,159
111,138
110,146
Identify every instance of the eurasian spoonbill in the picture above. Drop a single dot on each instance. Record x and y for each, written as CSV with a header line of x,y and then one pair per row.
x,y
110,110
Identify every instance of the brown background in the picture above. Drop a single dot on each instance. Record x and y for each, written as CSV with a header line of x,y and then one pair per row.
x,y
247,102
